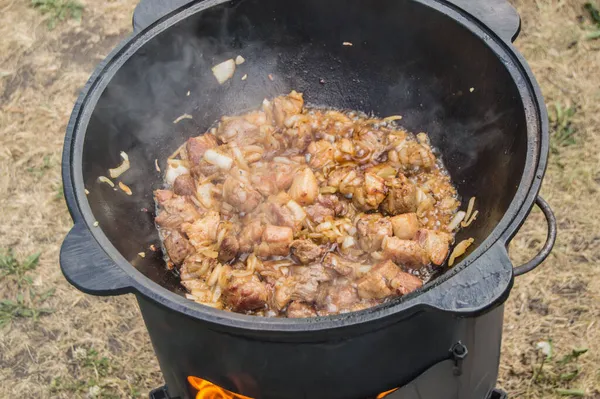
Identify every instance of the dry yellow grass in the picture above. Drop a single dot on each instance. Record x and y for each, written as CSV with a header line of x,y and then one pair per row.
x,y
90,342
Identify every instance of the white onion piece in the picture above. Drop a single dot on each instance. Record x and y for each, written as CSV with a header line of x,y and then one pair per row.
x,y
118,171
204,194
224,71
459,217
297,210
174,172
239,60
349,241
220,160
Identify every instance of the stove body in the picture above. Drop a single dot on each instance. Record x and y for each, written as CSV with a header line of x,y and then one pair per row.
x,y
433,356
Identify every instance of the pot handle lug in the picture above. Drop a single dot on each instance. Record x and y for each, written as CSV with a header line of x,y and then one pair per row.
x,y
498,15
550,239
86,266
149,11
476,289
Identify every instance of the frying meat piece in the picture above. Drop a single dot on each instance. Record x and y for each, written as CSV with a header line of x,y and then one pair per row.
x,y
247,293
300,136
176,210
204,168
238,130
276,241
178,247
339,176
229,248
300,310
306,251
240,195
251,235
286,106
405,283
372,229
405,252
405,226
184,185
386,279
375,190
337,297
339,264
321,153
203,231
197,146
402,197
279,215
326,207
306,281
435,243
415,154
304,188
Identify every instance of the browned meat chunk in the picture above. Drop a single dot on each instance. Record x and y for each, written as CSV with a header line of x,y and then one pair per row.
x,y
338,297
405,252
339,264
386,279
197,146
405,283
282,292
405,226
279,215
321,153
306,281
203,232
402,197
372,229
178,247
326,207
240,195
176,210
246,293
306,251
318,213
184,185
238,130
251,235
300,310
287,106
229,248
276,241
435,243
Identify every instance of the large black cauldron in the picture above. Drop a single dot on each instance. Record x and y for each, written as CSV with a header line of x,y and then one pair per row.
x,y
449,70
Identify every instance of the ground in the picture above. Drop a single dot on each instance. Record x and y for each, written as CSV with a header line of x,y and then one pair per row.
x,y
58,342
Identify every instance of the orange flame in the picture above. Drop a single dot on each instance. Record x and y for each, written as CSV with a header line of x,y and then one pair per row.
x,y
208,390
386,393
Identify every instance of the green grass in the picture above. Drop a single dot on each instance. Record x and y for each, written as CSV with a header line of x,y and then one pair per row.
x,y
10,266
558,374
19,308
58,10
595,16
561,122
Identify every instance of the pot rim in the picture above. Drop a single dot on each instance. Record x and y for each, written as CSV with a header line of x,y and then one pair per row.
x,y
519,208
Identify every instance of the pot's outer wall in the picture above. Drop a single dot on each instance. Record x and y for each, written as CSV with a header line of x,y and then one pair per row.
x,y
347,368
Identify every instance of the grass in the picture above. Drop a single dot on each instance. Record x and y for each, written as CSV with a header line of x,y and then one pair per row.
x,y
12,309
58,10
563,131
10,266
594,14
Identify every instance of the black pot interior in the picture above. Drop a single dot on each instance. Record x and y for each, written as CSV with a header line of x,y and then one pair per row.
x,y
406,59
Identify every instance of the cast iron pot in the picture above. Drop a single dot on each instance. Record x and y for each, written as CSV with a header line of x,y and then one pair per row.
x,y
448,68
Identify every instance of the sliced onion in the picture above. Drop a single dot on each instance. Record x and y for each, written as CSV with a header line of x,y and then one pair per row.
x,y
239,60
224,71
456,220
297,210
119,170
460,250
104,179
174,172
348,242
217,159
125,188
182,117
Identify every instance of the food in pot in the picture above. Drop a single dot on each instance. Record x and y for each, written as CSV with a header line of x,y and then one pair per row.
x,y
296,211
